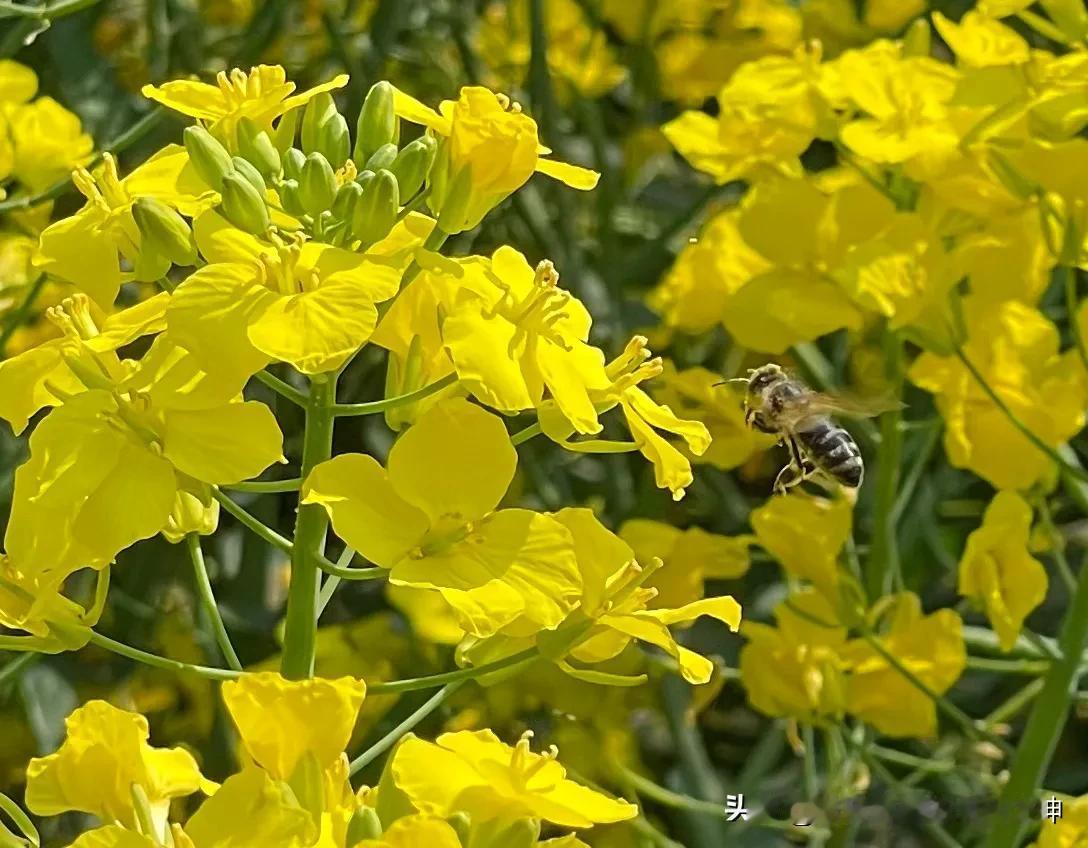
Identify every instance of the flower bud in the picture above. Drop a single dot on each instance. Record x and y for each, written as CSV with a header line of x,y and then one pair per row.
x,y
318,111
376,210
364,824
377,122
251,174
344,202
293,160
453,212
210,158
413,164
317,184
283,136
164,231
255,146
462,826
243,205
289,197
383,157
334,140
918,38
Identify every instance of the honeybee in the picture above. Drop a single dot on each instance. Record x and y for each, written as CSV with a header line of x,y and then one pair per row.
x,y
778,403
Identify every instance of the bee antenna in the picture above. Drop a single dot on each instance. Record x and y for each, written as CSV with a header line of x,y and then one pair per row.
x,y
734,380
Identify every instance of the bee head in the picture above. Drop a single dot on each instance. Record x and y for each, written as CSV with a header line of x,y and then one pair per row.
x,y
759,379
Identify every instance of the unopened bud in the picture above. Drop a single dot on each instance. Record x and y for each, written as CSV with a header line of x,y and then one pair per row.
x,y
316,184
377,122
344,202
255,146
383,157
164,231
454,210
918,38
364,824
251,174
289,197
413,164
283,136
318,111
376,210
210,158
243,205
334,140
293,160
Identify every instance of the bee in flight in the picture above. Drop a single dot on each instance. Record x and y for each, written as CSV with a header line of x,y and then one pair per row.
x,y
782,405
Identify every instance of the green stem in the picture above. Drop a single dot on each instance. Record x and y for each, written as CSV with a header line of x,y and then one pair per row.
x,y
14,668
523,436
207,600
16,318
330,586
1044,726
1008,666
165,663
21,820
252,522
901,758
372,407
1003,712
1068,278
884,566
267,486
939,835
393,736
347,573
129,137
282,388
300,633
432,681
668,798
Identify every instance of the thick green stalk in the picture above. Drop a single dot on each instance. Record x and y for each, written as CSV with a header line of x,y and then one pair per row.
x,y
1045,725
884,567
300,633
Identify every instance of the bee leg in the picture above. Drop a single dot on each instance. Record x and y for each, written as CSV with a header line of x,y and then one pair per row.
x,y
787,478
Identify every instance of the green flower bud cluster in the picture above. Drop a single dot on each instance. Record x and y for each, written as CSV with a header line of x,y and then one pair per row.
x,y
238,179
348,193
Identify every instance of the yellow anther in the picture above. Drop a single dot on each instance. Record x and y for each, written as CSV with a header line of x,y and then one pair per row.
x,y
73,317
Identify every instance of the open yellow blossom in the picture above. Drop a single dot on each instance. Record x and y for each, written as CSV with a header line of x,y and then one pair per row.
x,y
104,755
48,141
32,603
261,95
490,149
997,570
478,774
86,249
698,393
929,646
107,465
689,558
769,113
805,534
613,611
797,668
1015,348
981,42
275,718
643,416
312,305
432,520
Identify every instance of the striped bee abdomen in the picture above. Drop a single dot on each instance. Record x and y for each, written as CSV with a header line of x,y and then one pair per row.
x,y
833,451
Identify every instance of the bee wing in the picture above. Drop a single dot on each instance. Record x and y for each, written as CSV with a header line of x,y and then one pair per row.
x,y
828,403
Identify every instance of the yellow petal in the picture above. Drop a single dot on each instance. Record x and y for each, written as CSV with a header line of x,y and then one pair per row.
x,y
275,718
225,444
366,511
410,109
455,461
251,809
574,176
